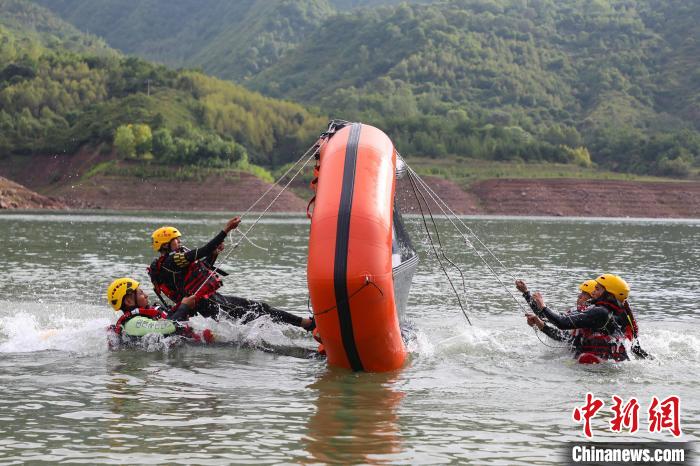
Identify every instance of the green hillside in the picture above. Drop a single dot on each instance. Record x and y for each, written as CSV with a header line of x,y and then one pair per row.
x,y
620,78
54,101
231,39
31,22
616,82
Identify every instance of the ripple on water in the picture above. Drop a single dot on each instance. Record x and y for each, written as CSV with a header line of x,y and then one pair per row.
x,y
487,393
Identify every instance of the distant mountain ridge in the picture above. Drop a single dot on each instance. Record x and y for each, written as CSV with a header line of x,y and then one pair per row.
x,y
30,21
55,100
618,78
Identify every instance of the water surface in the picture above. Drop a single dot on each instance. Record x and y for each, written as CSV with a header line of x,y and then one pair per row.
x,y
491,393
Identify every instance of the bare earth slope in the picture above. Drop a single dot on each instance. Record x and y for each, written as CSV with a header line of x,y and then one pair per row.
x,y
603,198
16,196
63,178
214,193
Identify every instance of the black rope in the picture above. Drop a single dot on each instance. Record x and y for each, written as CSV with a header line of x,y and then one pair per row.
x,y
416,192
432,244
367,283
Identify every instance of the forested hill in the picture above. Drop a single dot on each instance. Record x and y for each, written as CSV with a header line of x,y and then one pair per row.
x,y
231,39
496,79
619,77
54,101
32,22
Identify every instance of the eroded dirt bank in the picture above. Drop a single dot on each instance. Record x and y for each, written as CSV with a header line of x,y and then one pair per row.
x,y
60,182
586,198
16,196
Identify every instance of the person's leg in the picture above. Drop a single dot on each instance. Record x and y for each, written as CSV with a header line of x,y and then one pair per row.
x,y
239,308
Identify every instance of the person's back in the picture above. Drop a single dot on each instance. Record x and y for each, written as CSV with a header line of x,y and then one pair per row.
x,y
605,334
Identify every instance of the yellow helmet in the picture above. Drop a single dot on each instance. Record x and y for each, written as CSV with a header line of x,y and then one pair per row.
x,y
163,236
587,287
614,285
118,289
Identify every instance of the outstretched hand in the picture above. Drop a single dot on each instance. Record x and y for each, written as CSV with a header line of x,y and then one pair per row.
x,y
539,300
521,286
189,301
232,224
534,321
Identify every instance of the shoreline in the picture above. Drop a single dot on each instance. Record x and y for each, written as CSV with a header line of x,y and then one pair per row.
x,y
302,215
557,197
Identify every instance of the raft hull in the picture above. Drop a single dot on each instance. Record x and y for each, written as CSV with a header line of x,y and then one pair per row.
x,y
349,269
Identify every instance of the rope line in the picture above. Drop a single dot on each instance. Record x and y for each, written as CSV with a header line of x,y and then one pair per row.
x,y
315,146
314,149
308,159
416,192
445,209
440,203
366,284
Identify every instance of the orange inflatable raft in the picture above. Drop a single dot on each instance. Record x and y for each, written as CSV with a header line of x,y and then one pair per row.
x,y
360,262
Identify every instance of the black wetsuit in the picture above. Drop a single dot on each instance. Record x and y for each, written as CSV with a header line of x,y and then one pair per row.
x,y
551,332
171,272
601,329
600,316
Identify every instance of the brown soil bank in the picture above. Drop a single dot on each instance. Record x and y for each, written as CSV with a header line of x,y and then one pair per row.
x,y
64,178
16,196
551,197
214,193
572,197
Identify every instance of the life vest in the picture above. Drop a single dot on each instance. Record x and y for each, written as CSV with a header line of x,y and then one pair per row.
x,y
154,313
197,280
575,332
633,328
607,342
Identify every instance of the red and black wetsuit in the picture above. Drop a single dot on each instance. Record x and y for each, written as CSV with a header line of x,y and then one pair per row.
x,y
187,272
600,329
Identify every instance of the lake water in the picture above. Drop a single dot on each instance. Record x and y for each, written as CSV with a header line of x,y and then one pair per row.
x,y
490,393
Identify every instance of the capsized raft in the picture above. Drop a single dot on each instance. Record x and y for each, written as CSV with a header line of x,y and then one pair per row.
x,y
361,262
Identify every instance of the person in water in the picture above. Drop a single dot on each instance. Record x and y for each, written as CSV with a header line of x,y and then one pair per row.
x,y
584,296
139,318
180,272
602,328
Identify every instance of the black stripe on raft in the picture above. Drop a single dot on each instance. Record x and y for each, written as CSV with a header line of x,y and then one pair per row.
x,y
342,238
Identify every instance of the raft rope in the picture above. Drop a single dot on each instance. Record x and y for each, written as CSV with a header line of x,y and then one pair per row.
x,y
367,283
451,216
314,150
417,192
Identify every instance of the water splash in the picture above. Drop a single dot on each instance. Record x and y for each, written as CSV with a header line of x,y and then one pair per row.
x,y
83,329
25,333
509,339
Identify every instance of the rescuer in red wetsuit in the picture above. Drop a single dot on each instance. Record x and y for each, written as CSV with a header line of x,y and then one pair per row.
x,y
602,328
180,272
